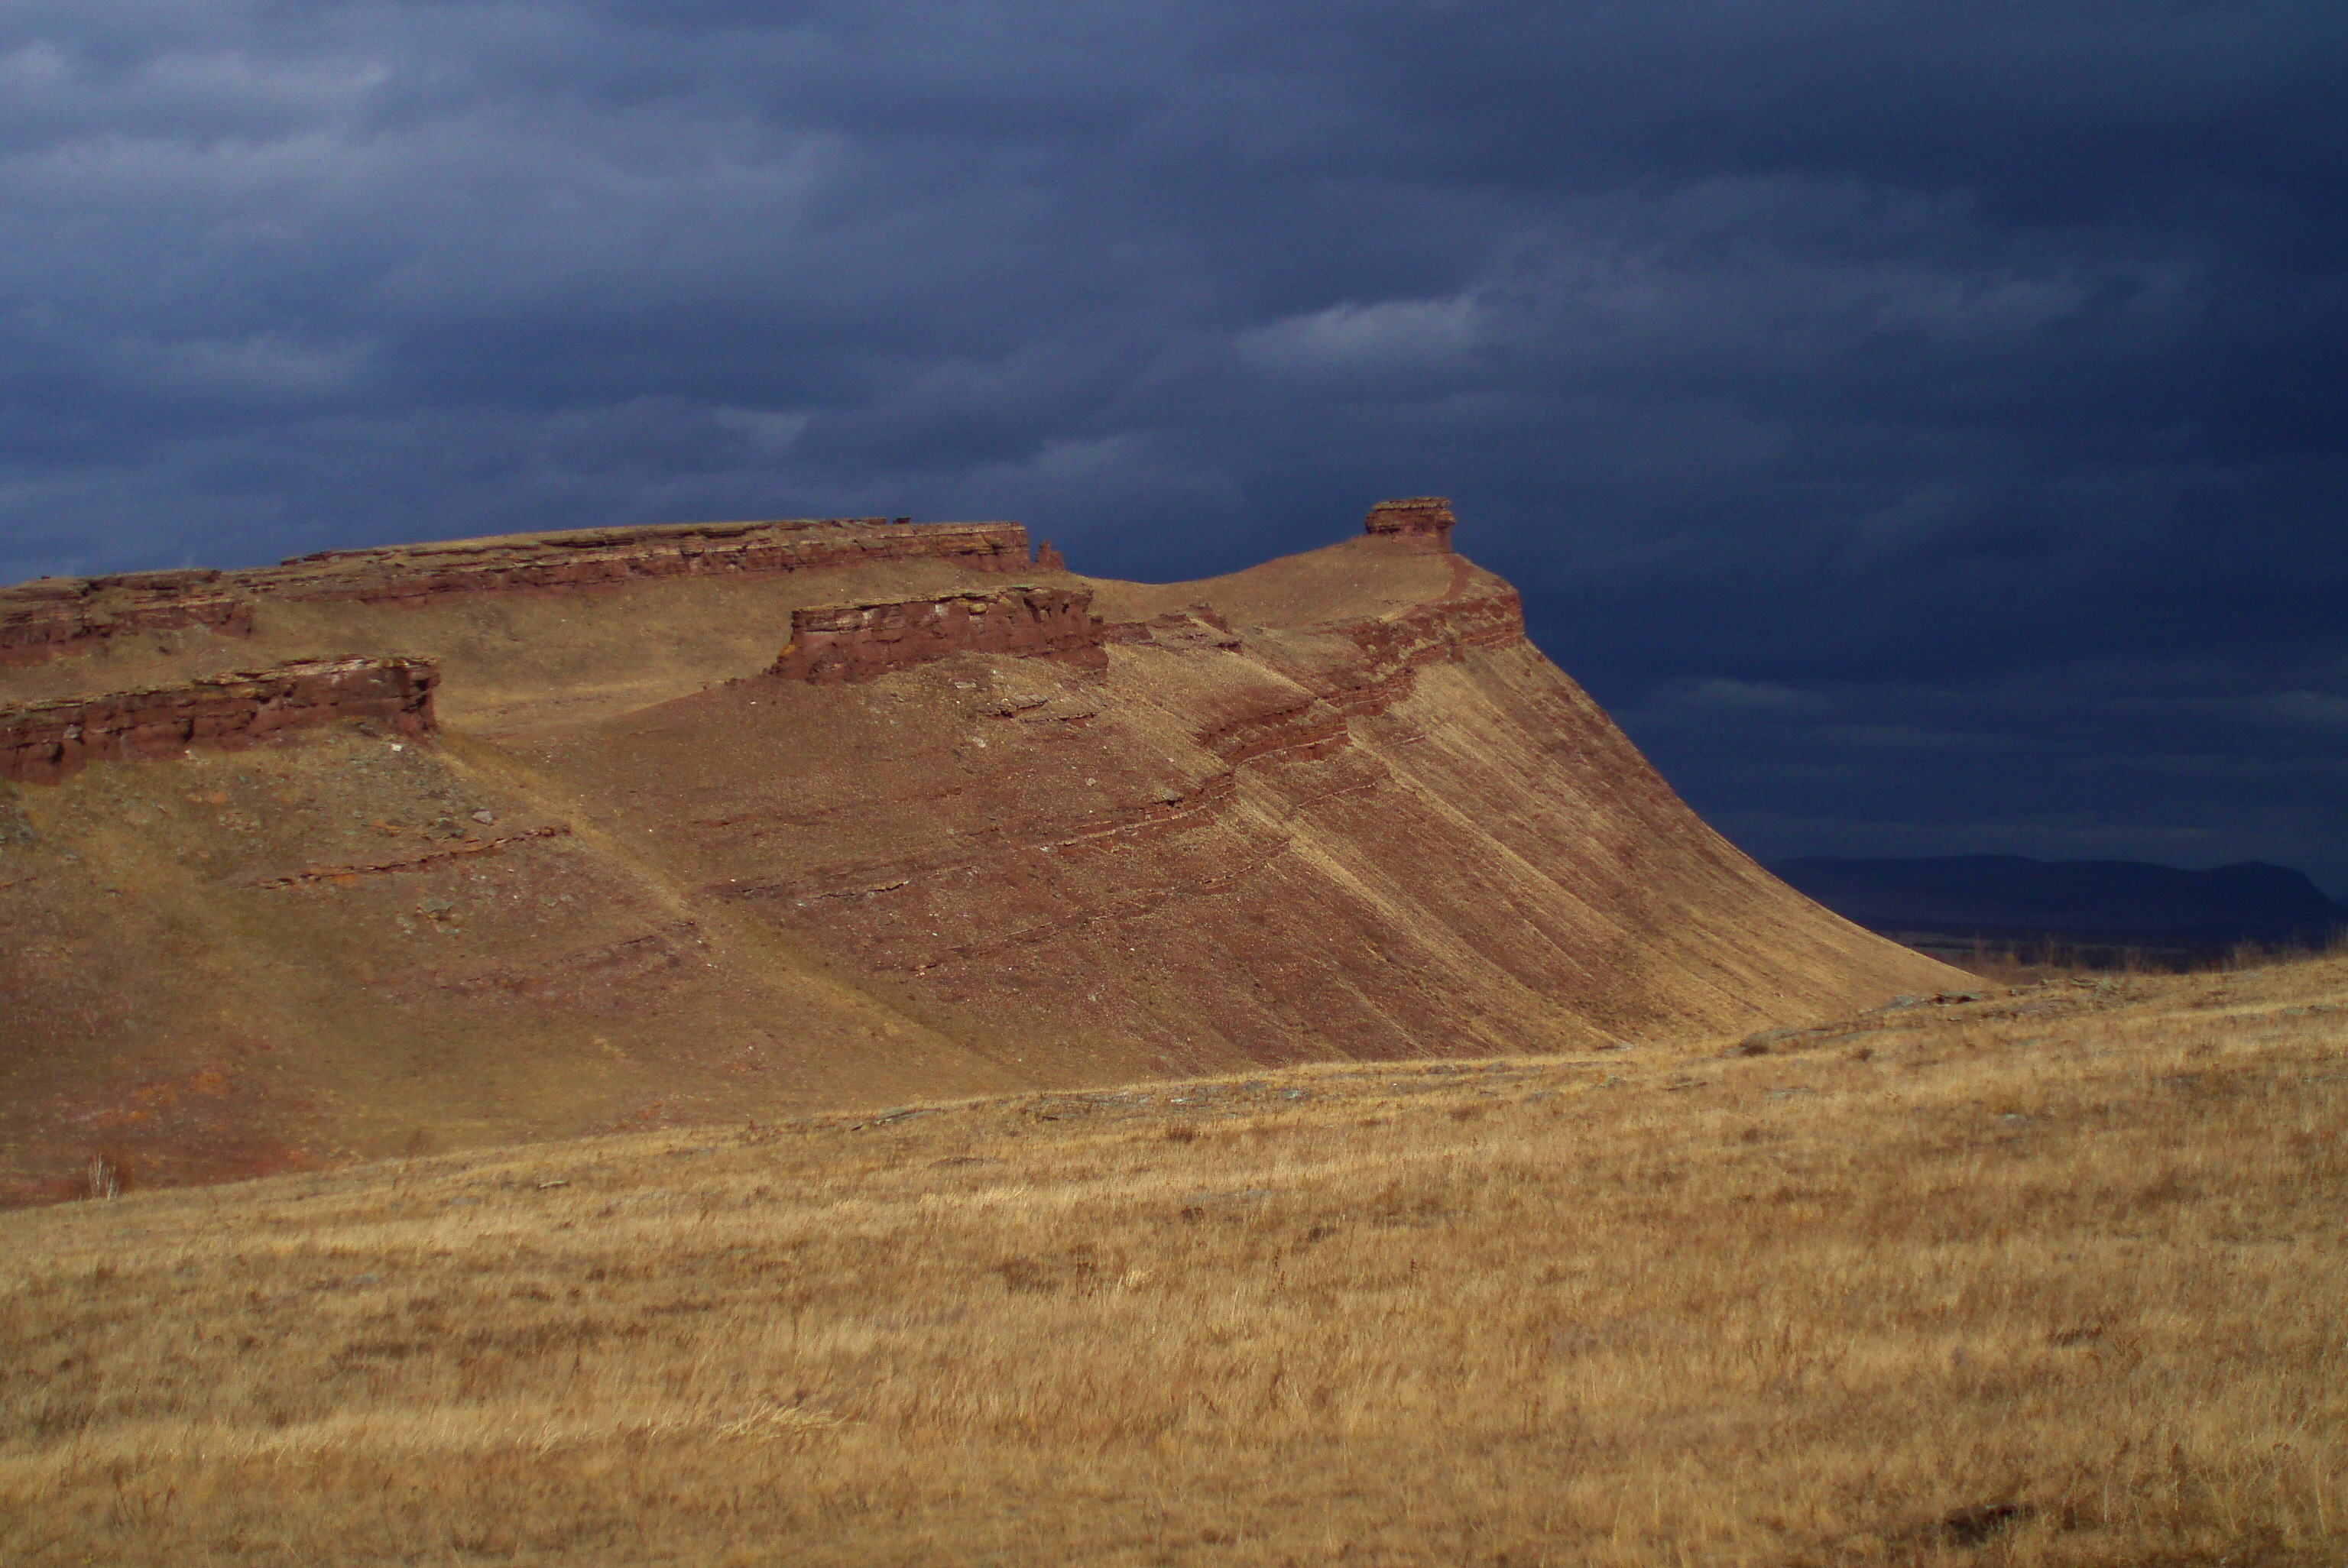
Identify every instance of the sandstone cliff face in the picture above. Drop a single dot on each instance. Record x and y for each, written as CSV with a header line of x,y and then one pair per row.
x,y
605,557
57,617
1423,522
835,643
964,836
43,743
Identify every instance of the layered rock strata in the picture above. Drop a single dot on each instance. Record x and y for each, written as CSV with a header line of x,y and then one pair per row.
x,y
56,617
597,557
42,743
832,643
1423,522
1333,806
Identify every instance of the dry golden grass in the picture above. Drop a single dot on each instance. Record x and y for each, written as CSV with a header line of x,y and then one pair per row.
x,y
2053,1278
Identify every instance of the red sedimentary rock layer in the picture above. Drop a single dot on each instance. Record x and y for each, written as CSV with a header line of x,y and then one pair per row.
x,y
315,876
1435,633
1310,727
59,616
1394,650
41,743
835,643
1421,521
599,557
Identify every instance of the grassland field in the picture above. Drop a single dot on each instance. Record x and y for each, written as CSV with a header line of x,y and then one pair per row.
x,y
2055,1276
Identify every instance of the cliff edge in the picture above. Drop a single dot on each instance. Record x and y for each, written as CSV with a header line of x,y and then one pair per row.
x,y
503,839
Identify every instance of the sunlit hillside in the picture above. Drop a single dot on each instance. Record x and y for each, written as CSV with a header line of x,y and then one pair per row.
x,y
2053,1275
643,870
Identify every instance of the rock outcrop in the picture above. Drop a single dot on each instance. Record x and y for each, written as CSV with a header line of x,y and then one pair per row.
x,y
976,830
832,643
56,617
42,743
596,557
1423,522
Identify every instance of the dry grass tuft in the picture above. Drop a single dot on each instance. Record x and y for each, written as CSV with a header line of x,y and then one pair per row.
x,y
2054,1277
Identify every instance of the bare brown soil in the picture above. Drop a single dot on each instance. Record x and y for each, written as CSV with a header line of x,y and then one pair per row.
x,y
2055,1276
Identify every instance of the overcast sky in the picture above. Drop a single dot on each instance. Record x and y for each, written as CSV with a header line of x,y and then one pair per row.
x,y
1925,425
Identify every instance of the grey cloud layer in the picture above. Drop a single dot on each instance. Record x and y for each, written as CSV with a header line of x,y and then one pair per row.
x,y
1917,357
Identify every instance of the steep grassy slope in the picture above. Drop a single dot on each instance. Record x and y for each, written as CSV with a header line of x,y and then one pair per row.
x,y
1333,808
2053,1277
295,953
1290,848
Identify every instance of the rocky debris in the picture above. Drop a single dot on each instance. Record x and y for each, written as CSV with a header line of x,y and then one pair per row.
x,y
42,743
1423,522
833,643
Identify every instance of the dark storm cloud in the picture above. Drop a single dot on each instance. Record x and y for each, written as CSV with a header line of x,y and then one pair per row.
x,y
1922,421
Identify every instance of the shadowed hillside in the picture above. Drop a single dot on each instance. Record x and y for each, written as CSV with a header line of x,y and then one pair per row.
x,y
702,824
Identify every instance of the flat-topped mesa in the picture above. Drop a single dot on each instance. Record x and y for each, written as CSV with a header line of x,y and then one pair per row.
x,y
595,557
832,643
57,616
42,743
1422,522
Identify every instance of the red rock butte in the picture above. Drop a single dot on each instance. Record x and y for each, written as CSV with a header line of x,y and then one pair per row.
x,y
474,842
1424,522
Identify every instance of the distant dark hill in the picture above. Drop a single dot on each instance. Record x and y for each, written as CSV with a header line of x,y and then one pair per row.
x,y
2009,896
